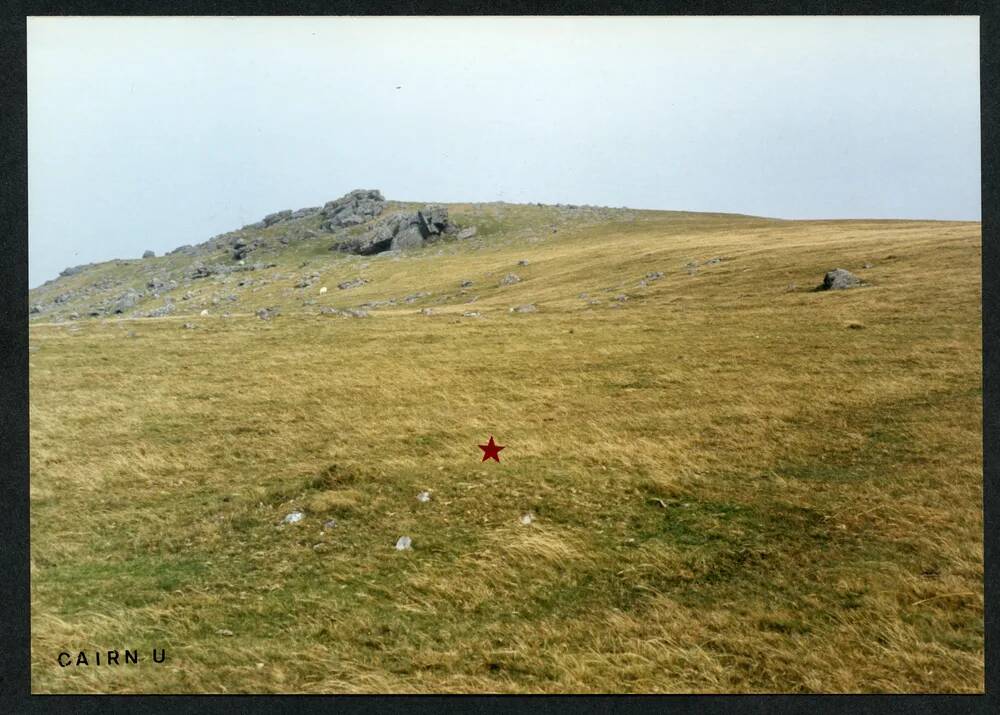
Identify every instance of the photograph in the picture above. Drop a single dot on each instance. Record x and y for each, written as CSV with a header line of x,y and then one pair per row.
x,y
504,355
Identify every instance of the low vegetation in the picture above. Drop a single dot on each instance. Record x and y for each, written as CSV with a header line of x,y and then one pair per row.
x,y
738,484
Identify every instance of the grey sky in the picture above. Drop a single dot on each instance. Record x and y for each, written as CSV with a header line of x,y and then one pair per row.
x,y
155,132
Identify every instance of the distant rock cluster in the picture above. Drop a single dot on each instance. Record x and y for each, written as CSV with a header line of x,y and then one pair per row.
x,y
353,209
401,230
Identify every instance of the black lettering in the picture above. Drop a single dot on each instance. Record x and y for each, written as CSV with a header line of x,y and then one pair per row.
x,y
131,655
82,659
112,657
163,655
69,659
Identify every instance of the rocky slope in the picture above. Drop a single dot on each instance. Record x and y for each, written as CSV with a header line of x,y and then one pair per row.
x,y
270,263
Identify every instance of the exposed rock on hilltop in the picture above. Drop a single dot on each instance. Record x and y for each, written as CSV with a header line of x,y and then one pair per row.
x,y
401,230
357,207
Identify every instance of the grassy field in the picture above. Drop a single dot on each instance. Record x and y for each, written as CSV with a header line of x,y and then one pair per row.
x,y
738,484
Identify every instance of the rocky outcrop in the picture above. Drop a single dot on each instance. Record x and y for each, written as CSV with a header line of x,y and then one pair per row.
x,y
149,254
401,231
353,209
73,270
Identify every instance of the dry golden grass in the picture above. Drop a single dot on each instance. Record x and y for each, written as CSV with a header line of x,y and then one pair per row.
x,y
738,486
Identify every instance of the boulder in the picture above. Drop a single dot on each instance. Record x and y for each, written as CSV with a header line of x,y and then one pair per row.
x,y
126,301
148,254
839,279
353,209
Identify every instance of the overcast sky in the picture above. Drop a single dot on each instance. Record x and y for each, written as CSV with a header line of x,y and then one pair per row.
x,y
149,133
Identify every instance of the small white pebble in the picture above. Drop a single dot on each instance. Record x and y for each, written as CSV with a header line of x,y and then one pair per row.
x,y
424,497
403,543
527,519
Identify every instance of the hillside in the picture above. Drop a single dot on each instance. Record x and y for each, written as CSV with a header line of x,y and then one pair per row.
x,y
715,478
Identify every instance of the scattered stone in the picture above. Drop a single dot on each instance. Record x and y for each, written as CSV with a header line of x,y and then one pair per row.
x,y
712,261
319,547
329,524
190,326
148,254
424,497
470,314
527,308
354,283
426,311
621,298
522,262
466,284
867,265
510,279
204,312
294,517
467,232
653,276
322,291
224,632
839,279
527,519
268,313
404,543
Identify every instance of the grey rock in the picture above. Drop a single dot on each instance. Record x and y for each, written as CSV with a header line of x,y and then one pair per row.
x,y
276,217
466,284
268,313
126,301
73,270
839,279
352,209
528,308
467,232
294,517
510,279
403,543
522,262
149,254
353,283
190,326
36,308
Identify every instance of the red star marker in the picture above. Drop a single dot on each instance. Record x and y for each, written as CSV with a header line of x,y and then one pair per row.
x,y
491,450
